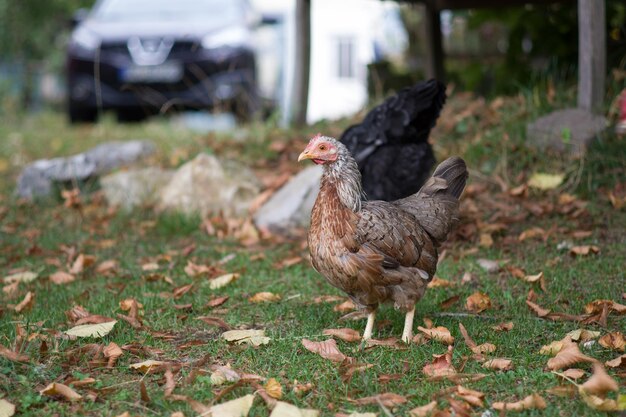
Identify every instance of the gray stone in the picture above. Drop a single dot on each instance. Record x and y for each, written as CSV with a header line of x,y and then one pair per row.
x,y
135,187
565,131
37,178
207,185
291,205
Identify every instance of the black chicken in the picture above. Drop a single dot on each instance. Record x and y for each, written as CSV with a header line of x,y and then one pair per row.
x,y
391,145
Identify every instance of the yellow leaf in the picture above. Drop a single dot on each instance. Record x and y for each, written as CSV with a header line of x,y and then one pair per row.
x,y
239,407
603,404
61,277
222,281
613,341
27,276
147,366
252,337
273,388
56,389
544,181
478,302
91,330
499,364
582,335
264,297
6,408
283,409
533,401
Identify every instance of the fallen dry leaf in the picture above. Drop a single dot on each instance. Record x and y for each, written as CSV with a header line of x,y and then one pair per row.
x,y
584,250
531,233
273,388
112,352
24,277
472,397
11,290
568,390
182,290
478,302
344,307
603,404
26,303
148,366
56,389
91,330
441,366
552,348
613,341
194,270
619,362
543,181
264,297
582,335
532,402
61,277
104,267
439,333
573,373
327,299
503,327
540,311
440,283
488,265
13,356
239,407
251,337
82,261
170,382
215,321
498,364
216,302
222,281
388,399
567,356
283,409
345,334
6,408
600,382
327,349
424,410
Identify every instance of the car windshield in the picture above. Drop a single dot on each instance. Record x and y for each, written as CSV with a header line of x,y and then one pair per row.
x,y
210,12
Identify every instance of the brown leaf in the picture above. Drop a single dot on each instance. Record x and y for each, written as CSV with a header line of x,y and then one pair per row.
x,y
345,307
478,302
264,297
540,311
182,290
567,356
387,399
13,356
82,261
216,302
345,334
27,302
582,335
598,403
568,390
253,337
437,282
473,397
613,341
485,240
498,364
104,267
441,366
170,382
215,321
149,366
449,302
143,392
584,250
600,382
439,333
93,319
112,352
294,260
503,327
424,410
386,378
531,233
273,388
327,349
532,402
327,299
61,277
222,281
573,373
619,362
11,289
56,389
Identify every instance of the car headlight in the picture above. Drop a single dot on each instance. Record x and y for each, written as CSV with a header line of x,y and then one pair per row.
x,y
86,39
235,36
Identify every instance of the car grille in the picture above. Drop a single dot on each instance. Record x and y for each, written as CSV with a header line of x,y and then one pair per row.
x,y
178,48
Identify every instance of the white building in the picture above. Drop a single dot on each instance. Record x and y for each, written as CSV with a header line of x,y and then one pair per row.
x,y
346,35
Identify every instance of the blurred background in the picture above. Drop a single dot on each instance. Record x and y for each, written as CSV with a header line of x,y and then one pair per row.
x,y
238,57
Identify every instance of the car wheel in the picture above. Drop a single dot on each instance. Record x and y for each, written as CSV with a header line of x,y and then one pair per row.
x,y
79,114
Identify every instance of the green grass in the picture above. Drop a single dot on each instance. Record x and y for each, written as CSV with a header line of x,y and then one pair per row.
x,y
33,237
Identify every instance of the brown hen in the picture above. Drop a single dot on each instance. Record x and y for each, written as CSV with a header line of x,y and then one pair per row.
x,y
379,251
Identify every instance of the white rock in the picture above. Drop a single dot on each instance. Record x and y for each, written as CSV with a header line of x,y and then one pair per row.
x,y
207,185
134,188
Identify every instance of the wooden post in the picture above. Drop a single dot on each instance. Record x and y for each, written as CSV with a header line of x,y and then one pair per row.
x,y
591,54
434,49
302,64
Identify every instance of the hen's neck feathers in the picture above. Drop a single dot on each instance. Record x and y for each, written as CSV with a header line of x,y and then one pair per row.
x,y
344,175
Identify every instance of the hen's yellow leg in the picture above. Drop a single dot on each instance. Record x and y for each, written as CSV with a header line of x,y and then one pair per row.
x,y
369,326
407,333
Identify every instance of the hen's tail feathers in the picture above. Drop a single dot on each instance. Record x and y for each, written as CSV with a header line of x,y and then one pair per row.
x,y
454,171
436,204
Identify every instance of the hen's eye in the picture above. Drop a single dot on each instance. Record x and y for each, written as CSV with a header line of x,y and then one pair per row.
x,y
322,147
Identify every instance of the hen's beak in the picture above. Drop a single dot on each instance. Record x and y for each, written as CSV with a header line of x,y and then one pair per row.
x,y
306,154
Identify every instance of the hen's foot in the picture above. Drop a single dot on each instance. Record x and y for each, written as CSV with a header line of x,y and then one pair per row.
x,y
407,333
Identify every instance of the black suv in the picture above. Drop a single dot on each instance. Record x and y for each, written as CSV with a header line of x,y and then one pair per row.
x,y
140,57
